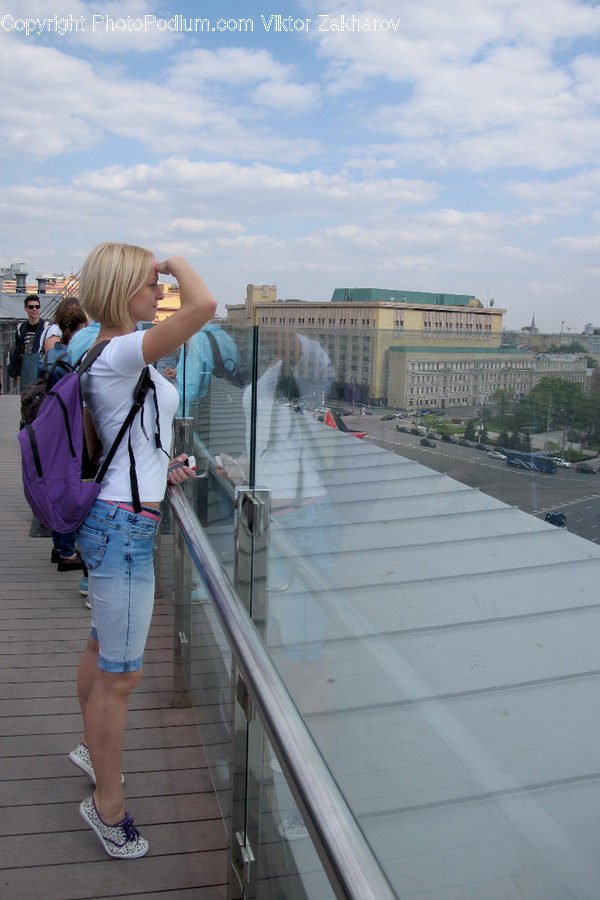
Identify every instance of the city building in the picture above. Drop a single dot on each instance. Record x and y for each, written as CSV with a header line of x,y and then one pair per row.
x,y
568,366
409,349
404,349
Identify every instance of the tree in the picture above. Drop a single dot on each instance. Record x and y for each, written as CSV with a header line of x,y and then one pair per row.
x,y
483,435
470,430
504,400
573,347
564,402
514,441
503,439
432,421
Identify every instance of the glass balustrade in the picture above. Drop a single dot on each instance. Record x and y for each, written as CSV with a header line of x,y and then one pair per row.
x,y
435,634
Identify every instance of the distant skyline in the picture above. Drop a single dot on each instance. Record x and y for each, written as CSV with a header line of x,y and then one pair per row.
x,y
431,146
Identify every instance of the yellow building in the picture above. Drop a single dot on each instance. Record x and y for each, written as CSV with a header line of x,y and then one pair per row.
x,y
420,350
169,303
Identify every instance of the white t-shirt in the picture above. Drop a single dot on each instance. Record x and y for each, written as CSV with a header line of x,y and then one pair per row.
x,y
107,390
50,330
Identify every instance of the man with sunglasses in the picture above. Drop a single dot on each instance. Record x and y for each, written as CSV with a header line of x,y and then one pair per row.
x,y
28,335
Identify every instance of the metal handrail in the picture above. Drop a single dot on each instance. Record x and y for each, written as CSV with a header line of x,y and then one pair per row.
x,y
352,868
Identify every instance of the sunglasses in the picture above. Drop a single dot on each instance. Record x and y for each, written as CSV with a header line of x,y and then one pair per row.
x,y
35,306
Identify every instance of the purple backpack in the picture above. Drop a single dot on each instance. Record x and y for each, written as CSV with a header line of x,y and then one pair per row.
x,y
57,478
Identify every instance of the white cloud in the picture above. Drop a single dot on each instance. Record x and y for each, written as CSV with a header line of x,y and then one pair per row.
x,y
558,197
514,109
66,104
204,226
259,190
289,98
587,247
272,84
458,153
228,65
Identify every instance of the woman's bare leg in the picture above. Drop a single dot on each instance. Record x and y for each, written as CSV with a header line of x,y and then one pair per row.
x,y
88,668
104,727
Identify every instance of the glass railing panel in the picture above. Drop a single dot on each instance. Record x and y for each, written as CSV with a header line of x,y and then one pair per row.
x,y
209,666
392,580
288,865
213,397
423,626
214,406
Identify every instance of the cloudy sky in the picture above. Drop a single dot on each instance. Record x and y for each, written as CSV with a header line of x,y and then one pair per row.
x,y
407,144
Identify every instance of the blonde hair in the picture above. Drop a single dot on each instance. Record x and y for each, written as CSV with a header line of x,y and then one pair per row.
x,y
111,275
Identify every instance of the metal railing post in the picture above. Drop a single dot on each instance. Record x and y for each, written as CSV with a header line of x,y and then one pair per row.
x,y
182,580
251,543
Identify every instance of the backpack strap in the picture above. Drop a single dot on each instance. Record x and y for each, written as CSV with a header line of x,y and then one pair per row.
x,y
88,356
39,331
218,361
216,353
139,396
144,384
60,362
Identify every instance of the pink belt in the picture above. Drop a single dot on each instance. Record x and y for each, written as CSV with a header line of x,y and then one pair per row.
x,y
129,508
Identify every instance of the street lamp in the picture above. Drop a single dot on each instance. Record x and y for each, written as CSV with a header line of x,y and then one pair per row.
x,y
548,426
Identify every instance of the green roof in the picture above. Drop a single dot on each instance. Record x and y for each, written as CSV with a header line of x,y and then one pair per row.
x,y
473,351
372,295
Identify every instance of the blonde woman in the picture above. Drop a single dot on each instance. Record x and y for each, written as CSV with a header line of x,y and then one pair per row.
x,y
119,287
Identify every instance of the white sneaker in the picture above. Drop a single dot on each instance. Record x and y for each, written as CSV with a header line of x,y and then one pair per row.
x,y
292,828
121,840
81,757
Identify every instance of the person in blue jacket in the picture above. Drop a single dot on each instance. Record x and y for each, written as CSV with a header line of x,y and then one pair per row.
x,y
82,341
196,364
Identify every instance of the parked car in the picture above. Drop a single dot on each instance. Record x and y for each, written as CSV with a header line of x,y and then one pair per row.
x,y
482,447
496,454
403,428
418,431
561,463
465,443
432,435
556,518
587,470
449,439
427,442
387,418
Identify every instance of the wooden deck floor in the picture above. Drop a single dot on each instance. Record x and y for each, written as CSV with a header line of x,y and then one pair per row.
x,y
46,851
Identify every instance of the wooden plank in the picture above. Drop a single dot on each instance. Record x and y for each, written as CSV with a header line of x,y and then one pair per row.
x,y
47,851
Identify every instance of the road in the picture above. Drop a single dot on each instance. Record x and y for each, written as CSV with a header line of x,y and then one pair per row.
x,y
571,492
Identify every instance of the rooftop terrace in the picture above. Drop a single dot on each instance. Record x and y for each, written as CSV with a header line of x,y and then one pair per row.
x,y
47,852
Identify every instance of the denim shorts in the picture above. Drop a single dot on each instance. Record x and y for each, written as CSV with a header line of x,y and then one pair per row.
x,y
116,545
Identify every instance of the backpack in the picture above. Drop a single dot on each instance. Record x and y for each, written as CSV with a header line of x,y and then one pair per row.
x,y
34,393
231,367
54,455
